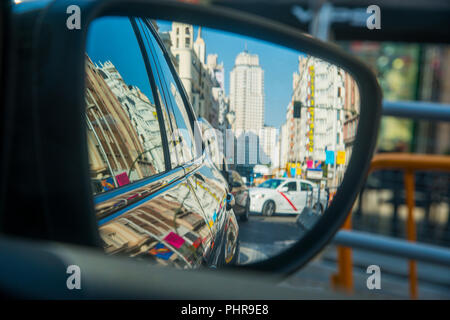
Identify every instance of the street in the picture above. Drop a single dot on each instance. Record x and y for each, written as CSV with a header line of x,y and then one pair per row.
x,y
262,237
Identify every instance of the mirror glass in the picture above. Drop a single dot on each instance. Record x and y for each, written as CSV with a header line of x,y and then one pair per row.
x,y
179,115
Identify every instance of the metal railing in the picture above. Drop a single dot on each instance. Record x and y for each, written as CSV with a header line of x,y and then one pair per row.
x,y
417,110
395,247
409,164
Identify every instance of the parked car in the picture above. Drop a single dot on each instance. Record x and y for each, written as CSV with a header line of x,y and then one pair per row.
x,y
167,202
235,182
241,195
286,195
211,142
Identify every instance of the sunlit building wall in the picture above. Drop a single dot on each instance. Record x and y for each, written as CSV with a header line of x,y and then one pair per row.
x,y
247,103
268,141
114,144
197,79
319,87
283,141
218,91
142,113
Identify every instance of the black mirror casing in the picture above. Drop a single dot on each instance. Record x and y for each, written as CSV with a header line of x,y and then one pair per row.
x,y
59,48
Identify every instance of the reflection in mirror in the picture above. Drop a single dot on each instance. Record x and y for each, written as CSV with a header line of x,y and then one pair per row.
x,y
277,128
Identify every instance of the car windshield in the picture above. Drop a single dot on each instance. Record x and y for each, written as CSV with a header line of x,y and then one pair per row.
x,y
271,183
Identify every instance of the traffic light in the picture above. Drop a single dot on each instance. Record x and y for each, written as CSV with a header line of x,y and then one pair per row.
x,y
297,108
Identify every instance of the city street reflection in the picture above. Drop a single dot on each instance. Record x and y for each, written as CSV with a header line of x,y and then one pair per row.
x,y
284,123
277,125
123,130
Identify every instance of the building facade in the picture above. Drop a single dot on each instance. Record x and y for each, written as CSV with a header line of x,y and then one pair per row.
x,y
122,125
321,120
198,80
247,93
268,139
247,106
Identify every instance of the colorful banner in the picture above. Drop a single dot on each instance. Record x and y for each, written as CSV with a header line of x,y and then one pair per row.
x,y
174,240
340,159
299,169
161,251
310,164
122,179
197,243
311,110
329,157
108,184
318,164
293,170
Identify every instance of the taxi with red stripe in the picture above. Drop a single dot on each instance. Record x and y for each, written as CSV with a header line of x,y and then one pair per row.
x,y
287,195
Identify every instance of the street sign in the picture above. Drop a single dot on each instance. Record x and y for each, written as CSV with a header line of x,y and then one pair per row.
x,y
314,174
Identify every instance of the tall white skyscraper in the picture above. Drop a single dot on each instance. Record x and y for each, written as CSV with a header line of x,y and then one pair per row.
x,y
247,103
247,92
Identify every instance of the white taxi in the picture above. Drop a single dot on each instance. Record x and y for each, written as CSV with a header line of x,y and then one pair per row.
x,y
286,195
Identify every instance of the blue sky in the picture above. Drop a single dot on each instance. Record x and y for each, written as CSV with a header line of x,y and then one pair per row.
x,y
112,39
278,63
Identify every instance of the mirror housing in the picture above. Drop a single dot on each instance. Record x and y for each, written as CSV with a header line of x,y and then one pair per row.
x,y
71,45
284,189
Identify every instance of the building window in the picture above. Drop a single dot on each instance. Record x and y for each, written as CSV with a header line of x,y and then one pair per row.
x,y
292,186
188,42
187,30
127,155
178,31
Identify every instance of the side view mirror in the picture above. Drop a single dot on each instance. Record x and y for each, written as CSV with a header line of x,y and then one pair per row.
x,y
326,90
284,189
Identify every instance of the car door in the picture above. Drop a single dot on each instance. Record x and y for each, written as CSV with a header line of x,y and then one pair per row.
x,y
239,191
289,201
307,192
206,180
300,197
145,206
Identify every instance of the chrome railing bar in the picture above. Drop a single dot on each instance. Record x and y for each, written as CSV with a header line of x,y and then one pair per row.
x,y
394,247
417,110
